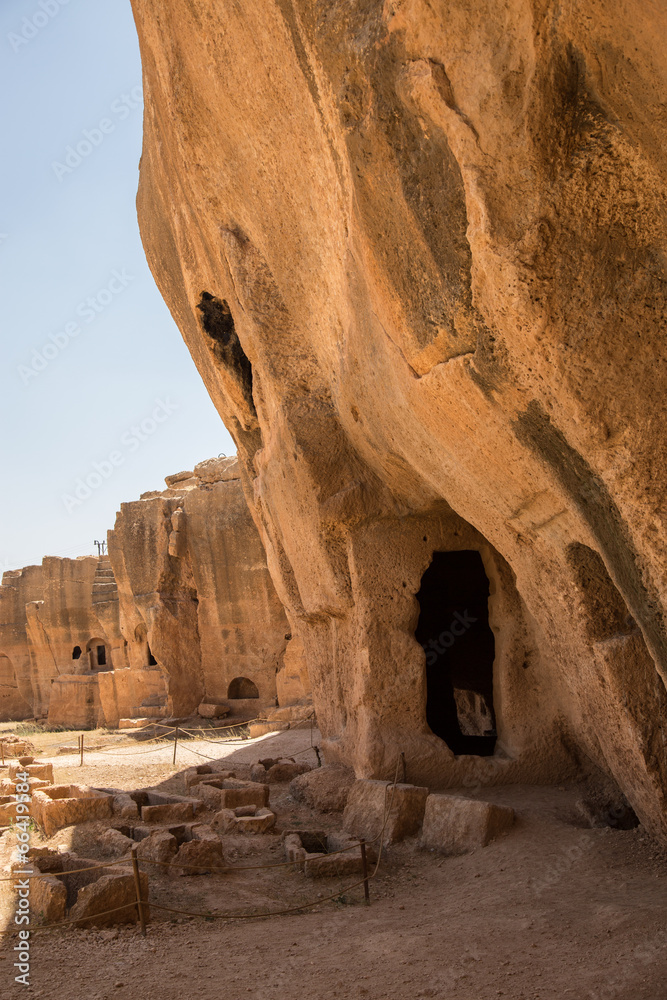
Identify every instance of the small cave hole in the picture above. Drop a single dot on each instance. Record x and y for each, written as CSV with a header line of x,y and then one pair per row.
x,y
242,687
218,323
76,653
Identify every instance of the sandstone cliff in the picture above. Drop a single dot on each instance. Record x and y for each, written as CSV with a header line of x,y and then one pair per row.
x,y
417,253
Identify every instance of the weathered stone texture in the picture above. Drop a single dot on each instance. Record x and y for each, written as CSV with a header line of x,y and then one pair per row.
x,y
429,305
455,825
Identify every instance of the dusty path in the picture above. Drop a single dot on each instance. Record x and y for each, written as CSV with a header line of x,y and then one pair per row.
x,y
551,911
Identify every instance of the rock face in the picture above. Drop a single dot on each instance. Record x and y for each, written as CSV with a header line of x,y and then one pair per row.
x,y
428,305
196,596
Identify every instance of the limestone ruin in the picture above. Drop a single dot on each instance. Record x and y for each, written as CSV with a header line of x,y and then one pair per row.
x,y
181,615
428,305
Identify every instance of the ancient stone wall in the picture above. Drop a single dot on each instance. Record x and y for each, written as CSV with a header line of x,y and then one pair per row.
x,y
433,294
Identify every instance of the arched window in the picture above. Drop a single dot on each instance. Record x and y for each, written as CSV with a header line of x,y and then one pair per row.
x,y
242,687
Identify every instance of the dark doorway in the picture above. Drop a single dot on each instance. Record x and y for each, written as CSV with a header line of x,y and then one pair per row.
x,y
101,656
152,662
454,630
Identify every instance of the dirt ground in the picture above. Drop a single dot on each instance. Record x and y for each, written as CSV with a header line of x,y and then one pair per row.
x,y
552,910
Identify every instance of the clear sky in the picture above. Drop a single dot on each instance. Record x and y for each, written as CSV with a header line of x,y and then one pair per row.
x,y
81,380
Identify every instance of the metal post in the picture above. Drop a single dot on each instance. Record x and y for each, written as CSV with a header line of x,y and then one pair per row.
x,y
137,886
175,744
81,749
364,871
2,750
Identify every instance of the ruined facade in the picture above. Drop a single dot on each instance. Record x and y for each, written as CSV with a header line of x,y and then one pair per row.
x,y
182,611
428,301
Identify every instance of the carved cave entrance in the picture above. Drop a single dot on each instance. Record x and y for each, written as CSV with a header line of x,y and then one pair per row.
x,y
454,630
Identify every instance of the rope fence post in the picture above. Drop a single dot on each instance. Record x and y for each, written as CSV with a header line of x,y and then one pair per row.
x,y
137,886
175,744
2,749
81,750
364,872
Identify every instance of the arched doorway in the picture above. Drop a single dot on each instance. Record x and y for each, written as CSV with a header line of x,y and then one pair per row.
x,y
453,629
98,655
242,687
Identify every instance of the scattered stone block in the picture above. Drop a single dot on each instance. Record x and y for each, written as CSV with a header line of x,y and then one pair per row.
x,y
325,789
125,806
224,821
160,845
301,848
169,812
48,900
115,843
43,771
262,821
369,800
210,710
194,779
109,892
456,825
67,805
203,852
138,723
286,771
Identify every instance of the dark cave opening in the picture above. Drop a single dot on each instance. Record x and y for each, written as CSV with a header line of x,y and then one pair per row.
x,y
218,323
454,630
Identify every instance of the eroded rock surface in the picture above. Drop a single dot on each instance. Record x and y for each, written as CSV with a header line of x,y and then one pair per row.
x,y
428,303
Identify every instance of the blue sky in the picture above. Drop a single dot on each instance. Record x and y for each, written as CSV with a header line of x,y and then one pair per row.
x,y
94,365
